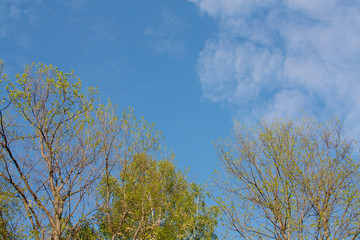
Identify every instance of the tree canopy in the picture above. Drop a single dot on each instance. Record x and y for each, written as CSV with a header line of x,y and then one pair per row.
x,y
152,200
80,171
71,167
290,179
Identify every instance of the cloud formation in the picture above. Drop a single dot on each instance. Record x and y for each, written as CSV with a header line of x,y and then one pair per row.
x,y
271,58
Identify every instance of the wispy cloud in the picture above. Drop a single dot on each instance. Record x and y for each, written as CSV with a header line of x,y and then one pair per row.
x,y
78,3
165,38
17,14
95,29
9,12
273,57
102,28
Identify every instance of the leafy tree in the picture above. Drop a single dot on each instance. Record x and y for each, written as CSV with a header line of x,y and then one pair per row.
x,y
147,198
50,153
152,200
58,144
290,180
9,209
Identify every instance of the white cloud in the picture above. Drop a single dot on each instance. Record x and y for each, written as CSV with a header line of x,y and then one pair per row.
x,y
286,103
236,73
274,57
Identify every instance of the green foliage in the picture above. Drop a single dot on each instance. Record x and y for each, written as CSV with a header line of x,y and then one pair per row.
x,y
49,146
147,197
86,230
153,200
3,78
290,180
58,142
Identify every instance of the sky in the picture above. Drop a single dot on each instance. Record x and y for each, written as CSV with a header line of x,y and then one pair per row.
x,y
195,66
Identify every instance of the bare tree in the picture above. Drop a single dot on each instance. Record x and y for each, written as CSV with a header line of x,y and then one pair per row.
x,y
50,152
290,180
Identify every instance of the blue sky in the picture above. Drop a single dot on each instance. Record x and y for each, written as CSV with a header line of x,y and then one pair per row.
x,y
193,66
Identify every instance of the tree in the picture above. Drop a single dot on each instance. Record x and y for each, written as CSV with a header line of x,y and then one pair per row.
x,y
49,151
290,180
147,198
82,172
